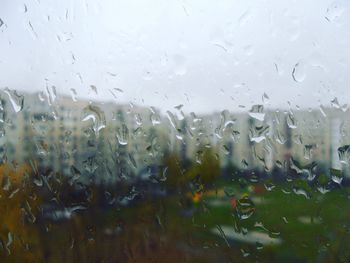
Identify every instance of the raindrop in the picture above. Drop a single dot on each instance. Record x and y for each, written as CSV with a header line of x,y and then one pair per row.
x,y
323,189
300,191
123,135
226,149
97,116
51,94
112,74
222,234
147,75
113,94
298,139
257,113
245,17
6,183
138,119
32,30
258,134
172,119
93,88
155,118
265,98
75,174
16,100
323,112
344,154
74,95
259,246
132,160
308,149
90,165
235,136
245,253
257,139
164,175
334,11
9,241
38,181
245,208
179,107
280,138
335,104
336,175
291,122
269,186
298,72
29,213
41,96
119,90
244,164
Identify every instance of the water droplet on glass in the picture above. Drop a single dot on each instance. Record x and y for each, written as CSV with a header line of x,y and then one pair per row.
x,y
301,191
308,149
51,94
245,208
16,100
291,121
334,12
74,94
344,154
323,189
257,113
335,104
259,246
9,242
25,8
32,30
336,176
323,111
244,163
123,135
265,98
96,115
132,160
147,75
298,72
93,88
155,118
138,119
75,175
258,133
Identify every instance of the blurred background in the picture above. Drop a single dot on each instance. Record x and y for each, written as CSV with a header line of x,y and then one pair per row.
x,y
143,131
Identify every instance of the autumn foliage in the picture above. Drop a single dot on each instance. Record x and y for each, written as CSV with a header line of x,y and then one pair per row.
x,y
18,208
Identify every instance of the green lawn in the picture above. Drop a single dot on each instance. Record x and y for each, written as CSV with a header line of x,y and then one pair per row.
x,y
311,230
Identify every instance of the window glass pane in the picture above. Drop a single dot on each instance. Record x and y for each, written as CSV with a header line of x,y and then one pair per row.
x,y
167,131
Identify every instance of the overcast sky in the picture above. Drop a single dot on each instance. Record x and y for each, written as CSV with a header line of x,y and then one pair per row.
x,y
205,54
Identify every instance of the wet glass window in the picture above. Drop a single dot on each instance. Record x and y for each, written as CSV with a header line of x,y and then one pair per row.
x,y
167,131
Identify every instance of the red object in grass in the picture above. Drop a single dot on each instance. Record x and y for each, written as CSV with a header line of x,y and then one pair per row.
x,y
233,202
259,189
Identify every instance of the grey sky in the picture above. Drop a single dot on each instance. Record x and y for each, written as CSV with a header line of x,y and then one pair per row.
x,y
207,55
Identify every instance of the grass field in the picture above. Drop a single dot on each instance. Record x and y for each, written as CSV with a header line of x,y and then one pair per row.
x,y
230,222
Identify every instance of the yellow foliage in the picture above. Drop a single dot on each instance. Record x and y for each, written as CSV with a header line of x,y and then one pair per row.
x,y
18,204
